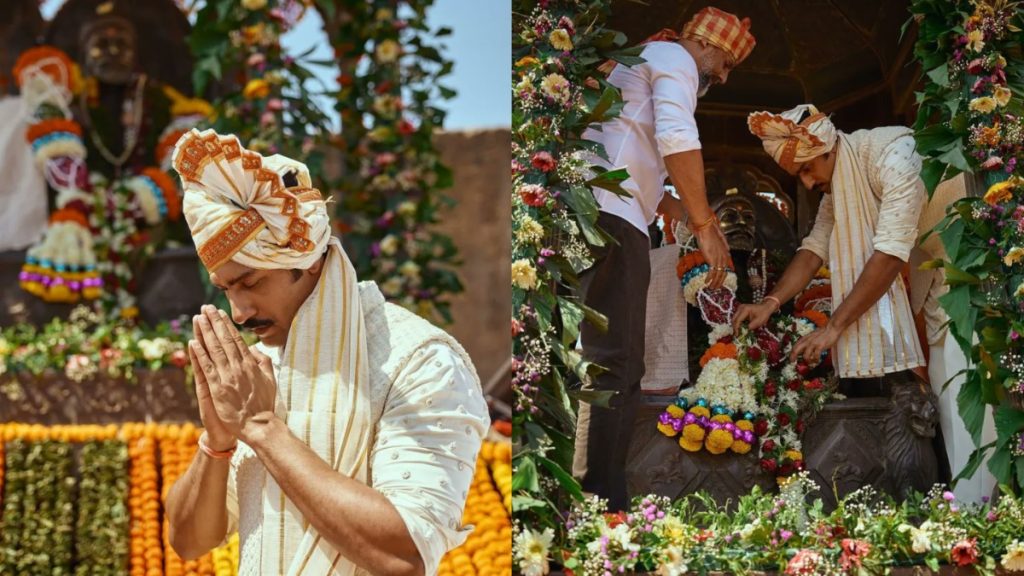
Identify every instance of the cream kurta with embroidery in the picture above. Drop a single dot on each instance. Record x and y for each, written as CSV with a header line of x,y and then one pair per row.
x,y
429,419
887,158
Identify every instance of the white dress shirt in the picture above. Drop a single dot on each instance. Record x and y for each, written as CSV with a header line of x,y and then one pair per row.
x,y
657,120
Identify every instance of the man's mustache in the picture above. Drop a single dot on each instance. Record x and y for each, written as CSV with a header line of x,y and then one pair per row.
x,y
254,323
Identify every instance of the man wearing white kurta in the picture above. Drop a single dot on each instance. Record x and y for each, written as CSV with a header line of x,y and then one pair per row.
x,y
345,442
654,137
866,228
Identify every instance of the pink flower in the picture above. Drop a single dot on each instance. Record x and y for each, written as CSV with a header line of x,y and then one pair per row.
x,y
976,66
543,161
268,118
256,60
854,552
517,327
533,194
965,552
179,358
275,104
992,163
385,158
804,562
405,128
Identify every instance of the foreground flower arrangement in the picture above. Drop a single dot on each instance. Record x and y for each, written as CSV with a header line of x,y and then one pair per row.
x,y
788,532
86,345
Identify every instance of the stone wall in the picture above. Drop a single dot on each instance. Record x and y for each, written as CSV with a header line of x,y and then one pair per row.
x,y
481,226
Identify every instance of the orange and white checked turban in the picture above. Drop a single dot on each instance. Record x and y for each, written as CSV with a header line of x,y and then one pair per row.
x,y
238,207
722,30
790,140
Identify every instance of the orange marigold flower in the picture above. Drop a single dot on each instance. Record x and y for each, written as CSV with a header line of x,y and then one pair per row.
x,y
819,318
719,350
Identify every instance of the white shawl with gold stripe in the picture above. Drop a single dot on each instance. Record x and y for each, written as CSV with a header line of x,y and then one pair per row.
x,y
884,338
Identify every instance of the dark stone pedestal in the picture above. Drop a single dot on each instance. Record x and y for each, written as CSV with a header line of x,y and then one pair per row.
x,y
881,442
50,399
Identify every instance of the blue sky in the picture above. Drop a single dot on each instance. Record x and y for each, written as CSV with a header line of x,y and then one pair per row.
x,y
480,47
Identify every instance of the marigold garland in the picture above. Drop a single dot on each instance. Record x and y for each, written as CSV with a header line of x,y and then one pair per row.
x,y
820,319
33,56
488,550
725,350
52,126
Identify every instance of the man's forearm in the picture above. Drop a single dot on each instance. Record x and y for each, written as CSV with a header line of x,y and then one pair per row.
x,y
874,281
797,275
196,507
686,170
357,520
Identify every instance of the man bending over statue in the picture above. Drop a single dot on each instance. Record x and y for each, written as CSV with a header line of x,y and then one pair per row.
x,y
865,229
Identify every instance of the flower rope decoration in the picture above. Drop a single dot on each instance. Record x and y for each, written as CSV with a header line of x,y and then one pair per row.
x,y
972,118
557,92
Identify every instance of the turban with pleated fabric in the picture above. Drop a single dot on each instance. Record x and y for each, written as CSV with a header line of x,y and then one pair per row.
x,y
791,140
239,208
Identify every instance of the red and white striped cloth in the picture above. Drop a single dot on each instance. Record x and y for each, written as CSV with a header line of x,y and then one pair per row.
x,y
723,30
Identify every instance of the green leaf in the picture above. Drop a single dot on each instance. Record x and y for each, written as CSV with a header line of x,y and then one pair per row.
x,y
521,503
956,159
610,180
1008,421
951,237
971,407
599,398
933,563
931,174
974,462
957,304
1000,465
572,316
940,75
600,108
565,480
525,477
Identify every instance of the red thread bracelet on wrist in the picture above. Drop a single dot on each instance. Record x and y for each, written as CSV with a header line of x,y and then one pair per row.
x,y
215,454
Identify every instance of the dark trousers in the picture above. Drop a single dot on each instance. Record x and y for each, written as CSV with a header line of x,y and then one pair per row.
x,y
616,286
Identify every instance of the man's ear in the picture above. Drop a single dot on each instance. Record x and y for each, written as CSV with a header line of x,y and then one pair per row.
x,y
318,265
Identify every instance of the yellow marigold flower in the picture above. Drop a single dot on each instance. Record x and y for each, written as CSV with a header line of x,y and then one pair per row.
x,y
523,274
975,40
667,430
693,433
718,441
700,411
689,445
1013,256
129,312
744,424
740,447
255,89
1013,560
388,51
793,455
983,104
675,411
526,61
1002,95
999,192
560,39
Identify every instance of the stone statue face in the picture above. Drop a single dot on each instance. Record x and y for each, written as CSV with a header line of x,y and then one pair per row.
x,y
736,217
108,49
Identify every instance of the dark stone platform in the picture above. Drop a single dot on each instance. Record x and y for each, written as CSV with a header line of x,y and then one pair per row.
x,y
883,442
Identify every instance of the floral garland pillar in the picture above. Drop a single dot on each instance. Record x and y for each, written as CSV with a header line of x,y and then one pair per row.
x,y
389,196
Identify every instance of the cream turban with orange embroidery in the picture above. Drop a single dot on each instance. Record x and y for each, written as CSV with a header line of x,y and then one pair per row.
x,y
790,140
239,208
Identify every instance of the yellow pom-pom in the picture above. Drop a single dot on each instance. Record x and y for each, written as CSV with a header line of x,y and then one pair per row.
x,y
693,433
675,411
60,293
718,441
700,411
690,446
793,455
91,293
667,430
740,447
722,418
744,424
